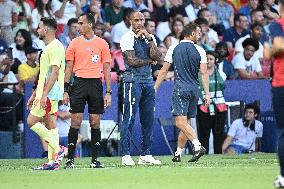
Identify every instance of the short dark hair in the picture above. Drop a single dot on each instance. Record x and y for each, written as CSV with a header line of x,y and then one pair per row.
x,y
72,21
200,12
147,21
256,24
90,18
127,12
251,42
49,22
201,21
253,106
213,53
222,45
254,11
237,17
145,10
177,10
99,24
189,29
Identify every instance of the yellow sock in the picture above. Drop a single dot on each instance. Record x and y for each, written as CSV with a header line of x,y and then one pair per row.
x,y
50,154
45,134
54,133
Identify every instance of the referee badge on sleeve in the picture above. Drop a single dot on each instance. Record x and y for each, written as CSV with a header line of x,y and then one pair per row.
x,y
95,58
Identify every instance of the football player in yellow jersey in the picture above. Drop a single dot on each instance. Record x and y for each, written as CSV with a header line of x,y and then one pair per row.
x,y
44,101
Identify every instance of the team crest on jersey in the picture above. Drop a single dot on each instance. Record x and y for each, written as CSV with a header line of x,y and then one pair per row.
x,y
95,58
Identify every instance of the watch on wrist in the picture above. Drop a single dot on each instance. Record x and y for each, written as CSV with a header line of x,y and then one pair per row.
x,y
109,92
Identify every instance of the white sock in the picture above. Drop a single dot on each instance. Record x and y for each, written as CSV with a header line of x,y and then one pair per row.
x,y
196,144
179,151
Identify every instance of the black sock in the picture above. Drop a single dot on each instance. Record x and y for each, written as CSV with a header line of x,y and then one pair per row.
x,y
72,141
95,143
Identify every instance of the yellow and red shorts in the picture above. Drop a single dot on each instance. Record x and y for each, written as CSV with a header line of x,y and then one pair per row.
x,y
51,108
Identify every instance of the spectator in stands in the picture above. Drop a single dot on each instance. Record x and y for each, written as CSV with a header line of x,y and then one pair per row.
x,y
257,16
42,9
96,10
231,35
256,33
3,45
5,65
268,9
9,76
6,92
204,40
8,20
163,9
138,5
246,64
73,32
212,117
246,10
223,64
146,13
23,40
114,13
28,72
175,36
150,26
63,11
164,28
24,16
121,28
205,13
100,29
116,64
245,133
156,68
193,8
212,34
223,12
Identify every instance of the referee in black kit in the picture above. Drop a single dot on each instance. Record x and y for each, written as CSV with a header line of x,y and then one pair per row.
x,y
86,56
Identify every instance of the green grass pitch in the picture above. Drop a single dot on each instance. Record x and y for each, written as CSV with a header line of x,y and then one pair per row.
x,y
250,171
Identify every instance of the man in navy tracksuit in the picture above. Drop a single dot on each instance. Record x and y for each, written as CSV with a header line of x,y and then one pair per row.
x,y
140,52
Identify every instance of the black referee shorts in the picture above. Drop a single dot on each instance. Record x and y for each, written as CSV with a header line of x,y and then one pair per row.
x,y
88,90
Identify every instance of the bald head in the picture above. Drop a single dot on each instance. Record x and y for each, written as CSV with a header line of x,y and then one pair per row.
x,y
136,14
137,21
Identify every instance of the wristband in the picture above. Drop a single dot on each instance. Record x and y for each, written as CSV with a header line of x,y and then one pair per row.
x,y
67,87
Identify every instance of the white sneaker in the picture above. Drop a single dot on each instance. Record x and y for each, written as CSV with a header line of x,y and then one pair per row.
x,y
279,182
127,160
148,159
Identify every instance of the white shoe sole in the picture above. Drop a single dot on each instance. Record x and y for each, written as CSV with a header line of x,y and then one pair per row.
x,y
141,162
126,164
